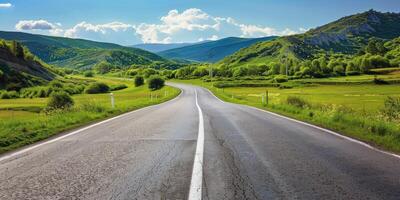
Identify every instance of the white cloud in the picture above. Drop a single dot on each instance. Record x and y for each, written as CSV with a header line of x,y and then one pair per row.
x,y
5,5
97,28
34,25
214,37
186,26
194,20
57,32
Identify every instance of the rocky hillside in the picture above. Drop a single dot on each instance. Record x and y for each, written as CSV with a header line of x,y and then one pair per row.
x,y
19,68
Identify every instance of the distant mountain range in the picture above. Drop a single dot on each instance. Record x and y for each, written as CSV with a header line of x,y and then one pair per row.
x,y
211,51
79,53
155,47
347,35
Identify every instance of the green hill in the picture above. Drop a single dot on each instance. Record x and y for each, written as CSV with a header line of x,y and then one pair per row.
x,y
19,68
211,51
79,53
346,36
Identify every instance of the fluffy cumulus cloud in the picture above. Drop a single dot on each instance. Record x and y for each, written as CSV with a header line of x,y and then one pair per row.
x,y
195,21
175,23
5,5
97,28
187,26
34,25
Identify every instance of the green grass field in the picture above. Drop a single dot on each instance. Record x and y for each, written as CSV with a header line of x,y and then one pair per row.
x,y
352,109
22,122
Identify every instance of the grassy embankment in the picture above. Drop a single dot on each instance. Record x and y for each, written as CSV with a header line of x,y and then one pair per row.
x,y
354,110
23,121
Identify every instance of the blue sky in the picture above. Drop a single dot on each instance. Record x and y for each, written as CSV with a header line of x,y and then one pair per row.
x,y
164,21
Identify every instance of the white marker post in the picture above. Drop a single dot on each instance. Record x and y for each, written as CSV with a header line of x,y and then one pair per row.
x,y
112,100
262,99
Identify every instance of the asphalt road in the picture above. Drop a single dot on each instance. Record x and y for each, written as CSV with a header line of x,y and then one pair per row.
x,y
248,154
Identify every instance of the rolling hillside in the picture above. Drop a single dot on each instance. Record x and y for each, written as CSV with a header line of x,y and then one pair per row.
x,y
212,51
348,36
19,68
79,53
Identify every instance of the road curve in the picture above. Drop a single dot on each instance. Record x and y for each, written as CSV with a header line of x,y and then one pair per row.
x,y
248,154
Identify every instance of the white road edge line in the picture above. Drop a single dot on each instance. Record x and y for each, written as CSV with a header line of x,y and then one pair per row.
x,y
316,127
24,150
196,183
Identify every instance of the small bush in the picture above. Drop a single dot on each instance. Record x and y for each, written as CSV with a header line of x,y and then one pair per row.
x,y
88,74
392,108
139,81
9,95
56,84
118,87
156,83
297,102
4,95
60,100
96,88
281,79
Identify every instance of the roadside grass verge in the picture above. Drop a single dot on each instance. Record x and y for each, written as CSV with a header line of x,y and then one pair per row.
x,y
352,110
23,121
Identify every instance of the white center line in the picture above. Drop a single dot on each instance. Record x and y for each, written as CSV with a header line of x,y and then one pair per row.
x,y
197,175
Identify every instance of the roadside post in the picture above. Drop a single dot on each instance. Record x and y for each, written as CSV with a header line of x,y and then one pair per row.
x,y
112,100
266,97
262,99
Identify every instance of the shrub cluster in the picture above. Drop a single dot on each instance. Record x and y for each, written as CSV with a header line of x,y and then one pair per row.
x,y
156,83
60,100
88,74
43,91
96,88
297,102
139,81
392,108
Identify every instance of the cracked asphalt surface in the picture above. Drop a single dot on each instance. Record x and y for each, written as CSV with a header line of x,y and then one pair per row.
x,y
248,154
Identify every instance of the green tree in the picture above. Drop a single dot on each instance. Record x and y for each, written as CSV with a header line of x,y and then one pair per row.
x,y
351,68
156,83
88,74
240,71
275,68
17,49
339,69
149,72
139,80
375,46
103,67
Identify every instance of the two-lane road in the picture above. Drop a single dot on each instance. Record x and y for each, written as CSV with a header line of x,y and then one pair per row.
x,y
248,154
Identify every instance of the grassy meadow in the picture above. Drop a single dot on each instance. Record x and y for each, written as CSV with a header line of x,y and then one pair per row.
x,y
24,121
355,110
